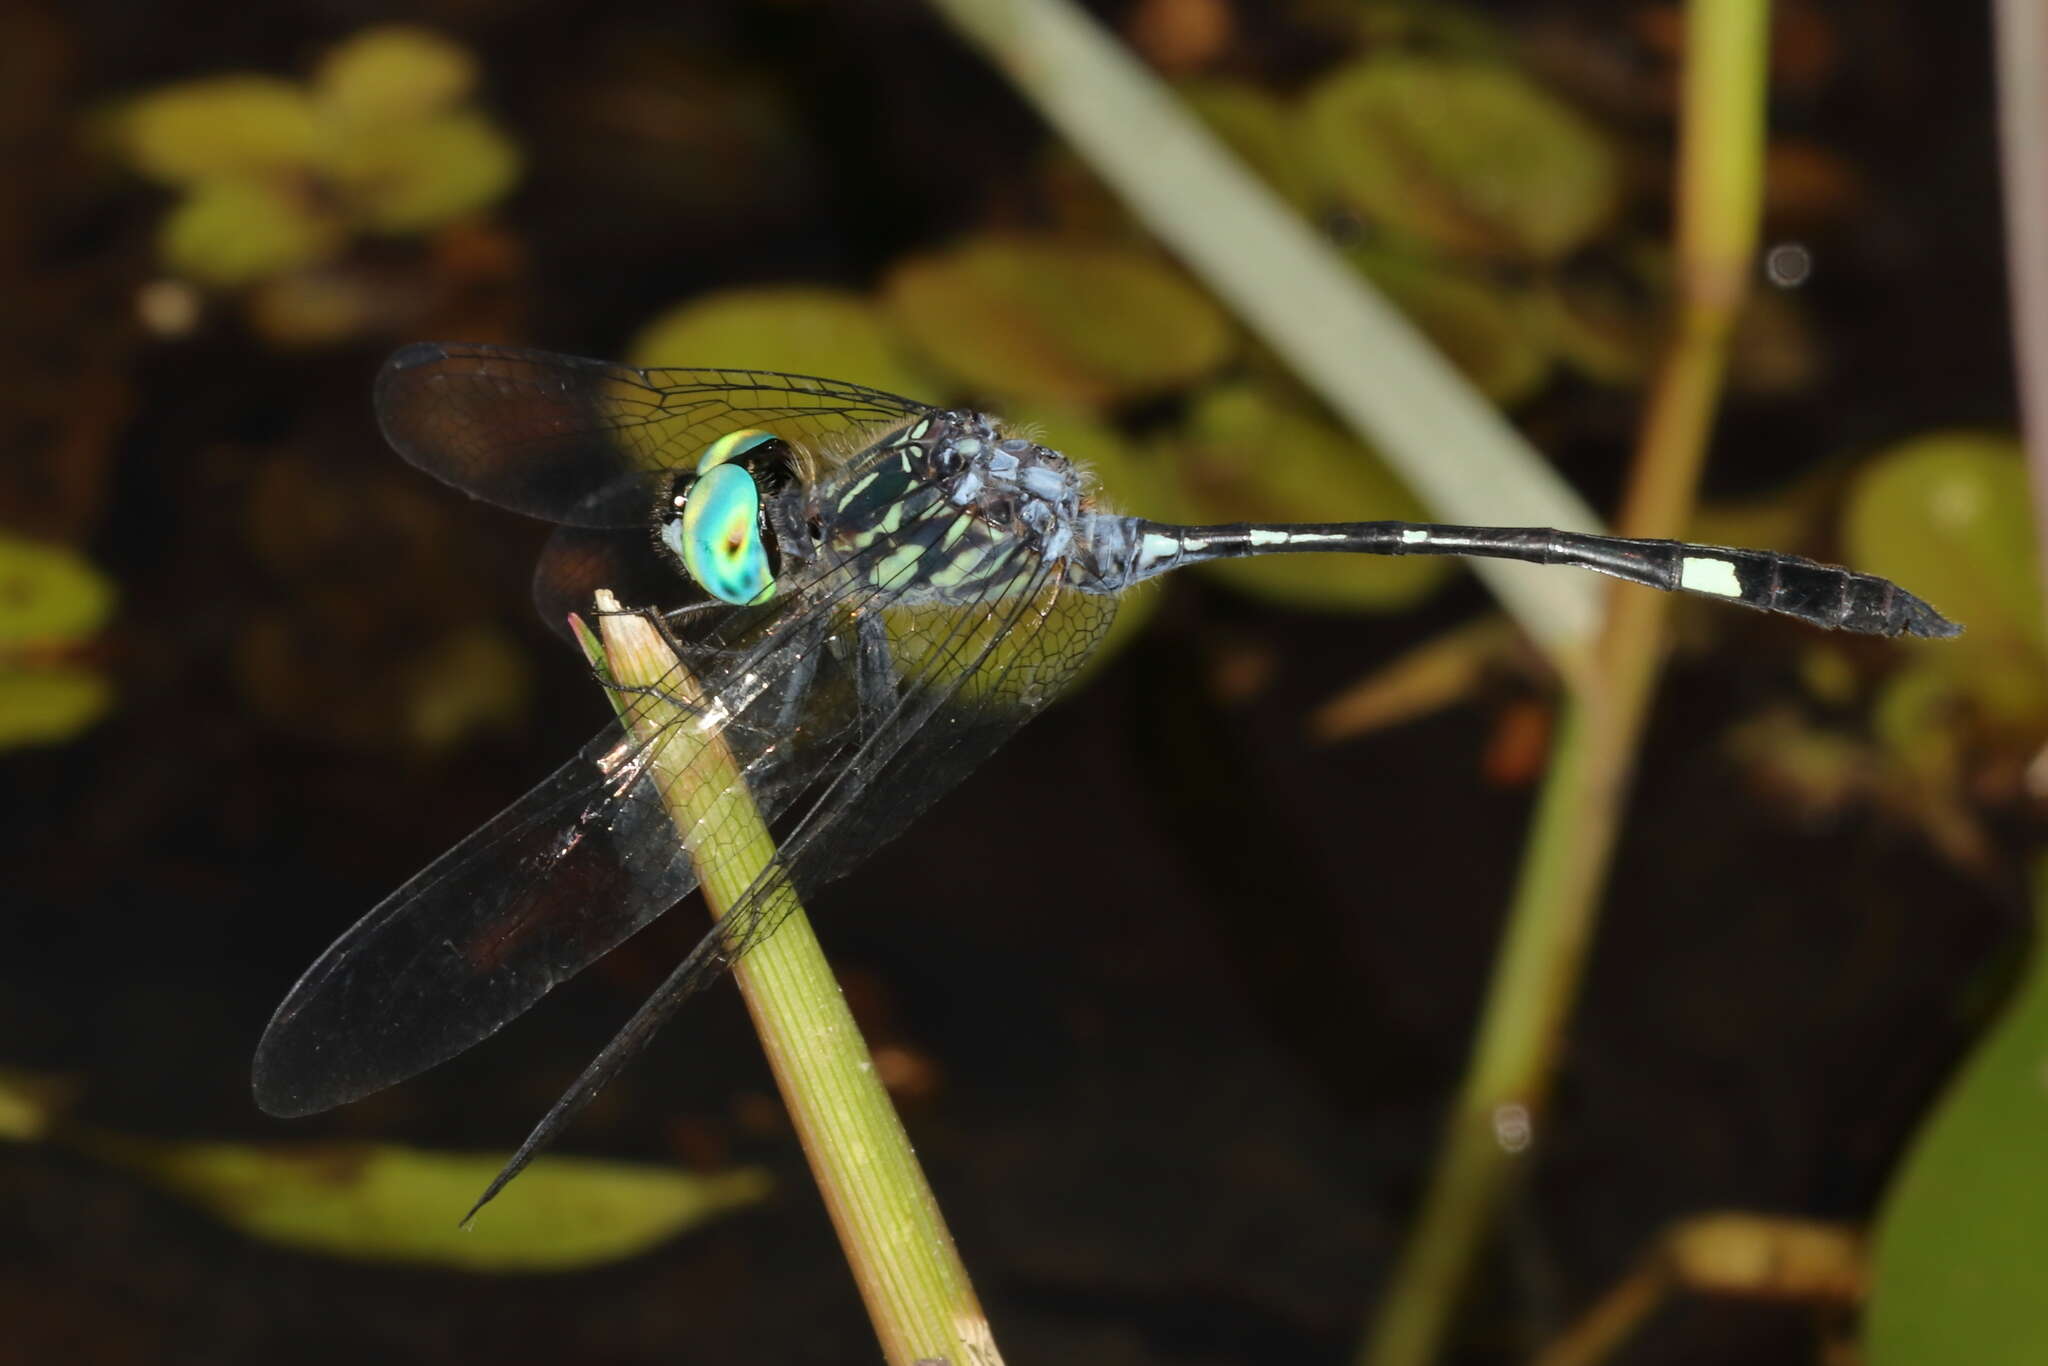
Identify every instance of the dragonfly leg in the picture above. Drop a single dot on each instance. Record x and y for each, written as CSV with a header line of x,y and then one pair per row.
x,y
874,669
796,683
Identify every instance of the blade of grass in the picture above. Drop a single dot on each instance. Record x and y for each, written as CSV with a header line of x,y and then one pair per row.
x,y
1345,341
1565,864
903,1258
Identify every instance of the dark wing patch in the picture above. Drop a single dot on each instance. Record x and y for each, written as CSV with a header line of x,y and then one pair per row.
x,y
578,441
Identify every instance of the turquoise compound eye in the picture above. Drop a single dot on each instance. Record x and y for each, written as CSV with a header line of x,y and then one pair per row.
x,y
731,446
718,537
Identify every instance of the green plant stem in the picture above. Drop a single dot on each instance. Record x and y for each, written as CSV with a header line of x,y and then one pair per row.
x,y
1334,330
1571,843
910,1275
2022,52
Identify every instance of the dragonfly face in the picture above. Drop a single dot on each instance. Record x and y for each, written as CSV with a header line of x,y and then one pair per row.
x,y
881,592
714,522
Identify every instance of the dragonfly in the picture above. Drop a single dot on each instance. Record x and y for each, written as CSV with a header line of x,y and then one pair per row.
x,y
870,595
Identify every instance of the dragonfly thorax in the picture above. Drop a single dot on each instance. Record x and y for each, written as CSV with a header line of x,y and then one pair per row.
x,y
950,504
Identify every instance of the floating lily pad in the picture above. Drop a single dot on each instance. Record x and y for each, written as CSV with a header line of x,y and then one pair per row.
x,y
231,232
1478,325
474,680
1958,1279
49,705
392,73
31,1103
374,1202
1948,516
1469,156
49,595
406,176
1067,323
809,331
323,305
221,126
1246,456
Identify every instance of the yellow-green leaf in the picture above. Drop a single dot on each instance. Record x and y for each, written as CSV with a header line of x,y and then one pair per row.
x,y
32,1102
1958,1275
807,330
1065,323
1948,516
220,126
1247,456
473,680
1477,324
48,705
232,232
49,594
393,73
417,174
375,1202
317,307
1467,155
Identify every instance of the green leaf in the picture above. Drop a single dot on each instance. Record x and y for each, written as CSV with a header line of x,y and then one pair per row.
x,y
219,126
393,73
1477,324
1065,323
319,307
31,1103
473,680
1958,1275
49,595
1245,455
807,330
1469,156
233,232
375,1202
46,706
1948,516
413,175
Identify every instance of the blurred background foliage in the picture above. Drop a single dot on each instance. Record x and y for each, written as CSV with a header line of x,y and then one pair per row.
x,y
254,670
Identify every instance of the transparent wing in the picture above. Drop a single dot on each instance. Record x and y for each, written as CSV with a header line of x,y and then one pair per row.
x,y
577,561
550,885
547,887
847,709
577,441
963,679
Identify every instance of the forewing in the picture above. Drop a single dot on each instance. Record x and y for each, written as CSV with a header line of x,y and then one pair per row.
x,y
577,561
547,887
967,676
579,441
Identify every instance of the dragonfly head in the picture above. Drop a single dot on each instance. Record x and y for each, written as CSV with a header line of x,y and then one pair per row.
x,y
713,520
